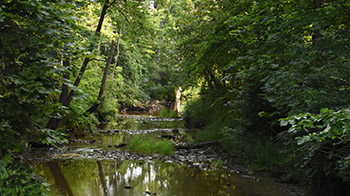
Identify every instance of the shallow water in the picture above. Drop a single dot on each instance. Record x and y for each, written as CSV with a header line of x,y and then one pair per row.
x,y
73,174
122,177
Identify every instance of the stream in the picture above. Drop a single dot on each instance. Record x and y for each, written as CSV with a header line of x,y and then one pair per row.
x,y
99,164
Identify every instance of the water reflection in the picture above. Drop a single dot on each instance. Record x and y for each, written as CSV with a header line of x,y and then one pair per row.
x,y
59,178
134,178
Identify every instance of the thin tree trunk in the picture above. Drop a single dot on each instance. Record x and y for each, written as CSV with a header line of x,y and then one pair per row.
x,y
66,98
105,73
87,59
316,34
94,107
65,89
118,51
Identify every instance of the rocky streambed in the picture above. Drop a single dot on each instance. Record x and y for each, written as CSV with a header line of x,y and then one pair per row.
x,y
97,164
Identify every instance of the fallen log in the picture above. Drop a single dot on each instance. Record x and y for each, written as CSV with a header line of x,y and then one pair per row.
x,y
167,136
120,145
198,145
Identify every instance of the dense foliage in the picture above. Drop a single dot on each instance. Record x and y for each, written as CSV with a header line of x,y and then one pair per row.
x,y
53,56
54,76
17,179
258,61
70,65
323,139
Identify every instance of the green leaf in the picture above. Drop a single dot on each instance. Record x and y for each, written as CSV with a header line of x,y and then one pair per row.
x,y
291,121
284,123
302,140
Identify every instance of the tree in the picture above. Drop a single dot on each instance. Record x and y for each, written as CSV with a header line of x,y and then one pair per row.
x,y
66,97
259,61
33,37
31,67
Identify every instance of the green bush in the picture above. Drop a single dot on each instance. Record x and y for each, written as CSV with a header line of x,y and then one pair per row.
x,y
147,145
18,179
320,144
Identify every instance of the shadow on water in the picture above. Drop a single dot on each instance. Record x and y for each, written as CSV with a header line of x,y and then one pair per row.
x,y
134,178
97,176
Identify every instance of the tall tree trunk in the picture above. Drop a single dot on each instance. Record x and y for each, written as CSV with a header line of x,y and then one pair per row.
x,y
177,103
65,89
316,34
94,107
118,51
105,73
87,59
66,99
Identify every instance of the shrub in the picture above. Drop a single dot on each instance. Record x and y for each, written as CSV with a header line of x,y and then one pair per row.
x,y
321,150
18,179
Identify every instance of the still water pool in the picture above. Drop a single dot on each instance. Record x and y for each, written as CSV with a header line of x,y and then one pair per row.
x,y
70,172
135,178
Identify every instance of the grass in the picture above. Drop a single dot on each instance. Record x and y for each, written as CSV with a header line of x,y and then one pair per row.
x,y
147,145
167,113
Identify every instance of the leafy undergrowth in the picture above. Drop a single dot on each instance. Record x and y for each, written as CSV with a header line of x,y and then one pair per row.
x,y
18,179
147,145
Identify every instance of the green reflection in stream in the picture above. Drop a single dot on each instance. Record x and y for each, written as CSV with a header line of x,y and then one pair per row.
x,y
102,178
